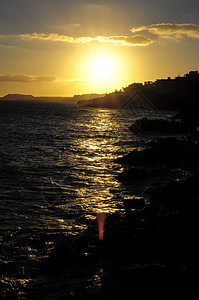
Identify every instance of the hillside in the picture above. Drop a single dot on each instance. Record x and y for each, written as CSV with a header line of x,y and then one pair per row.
x,y
167,94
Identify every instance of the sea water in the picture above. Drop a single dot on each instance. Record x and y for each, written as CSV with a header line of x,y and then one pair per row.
x,y
57,171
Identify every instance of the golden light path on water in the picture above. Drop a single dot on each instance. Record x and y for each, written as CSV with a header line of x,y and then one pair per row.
x,y
87,145
94,172
99,151
87,148
99,154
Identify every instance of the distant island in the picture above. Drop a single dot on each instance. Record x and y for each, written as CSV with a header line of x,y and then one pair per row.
x,y
17,97
70,100
166,94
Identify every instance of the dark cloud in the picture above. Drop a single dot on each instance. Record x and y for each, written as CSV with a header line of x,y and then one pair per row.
x,y
36,15
26,78
168,30
33,78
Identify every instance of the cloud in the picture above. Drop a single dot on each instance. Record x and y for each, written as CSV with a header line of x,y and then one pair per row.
x,y
170,30
74,24
32,78
27,78
74,81
137,40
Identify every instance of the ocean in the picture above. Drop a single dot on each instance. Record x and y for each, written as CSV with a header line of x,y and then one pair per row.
x,y
57,171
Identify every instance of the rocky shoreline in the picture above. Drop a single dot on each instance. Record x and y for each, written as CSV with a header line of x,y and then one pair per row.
x,y
152,249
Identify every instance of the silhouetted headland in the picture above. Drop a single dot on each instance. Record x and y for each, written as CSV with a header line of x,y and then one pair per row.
x,y
165,94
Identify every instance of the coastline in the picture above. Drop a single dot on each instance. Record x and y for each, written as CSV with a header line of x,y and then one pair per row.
x,y
154,244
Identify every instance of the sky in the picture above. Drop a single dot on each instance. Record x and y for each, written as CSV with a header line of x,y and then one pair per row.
x,y
64,48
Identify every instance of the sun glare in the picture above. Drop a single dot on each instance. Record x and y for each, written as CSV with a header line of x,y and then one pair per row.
x,y
102,68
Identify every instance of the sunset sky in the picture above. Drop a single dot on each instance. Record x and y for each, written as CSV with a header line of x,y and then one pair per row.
x,y
62,47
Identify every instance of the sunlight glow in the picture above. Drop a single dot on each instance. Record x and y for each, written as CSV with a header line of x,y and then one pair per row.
x,y
102,68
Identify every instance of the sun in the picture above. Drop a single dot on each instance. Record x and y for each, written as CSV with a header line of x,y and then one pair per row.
x,y
102,68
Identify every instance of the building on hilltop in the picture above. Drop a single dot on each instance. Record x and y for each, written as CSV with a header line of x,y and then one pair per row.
x,y
192,75
189,78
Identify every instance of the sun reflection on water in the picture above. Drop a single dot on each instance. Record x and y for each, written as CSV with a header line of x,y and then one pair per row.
x,y
88,183
97,148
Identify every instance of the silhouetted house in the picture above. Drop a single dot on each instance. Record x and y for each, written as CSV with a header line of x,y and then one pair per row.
x,y
193,75
180,79
164,83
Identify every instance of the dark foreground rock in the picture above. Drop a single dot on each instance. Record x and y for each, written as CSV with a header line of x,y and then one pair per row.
x,y
189,116
144,251
171,152
149,248
137,174
159,125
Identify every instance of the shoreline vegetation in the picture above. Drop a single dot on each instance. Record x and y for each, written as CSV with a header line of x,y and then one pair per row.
x,y
151,249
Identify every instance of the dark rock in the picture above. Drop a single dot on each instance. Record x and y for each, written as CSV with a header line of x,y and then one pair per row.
x,y
166,142
189,116
158,125
172,152
134,202
134,174
175,195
